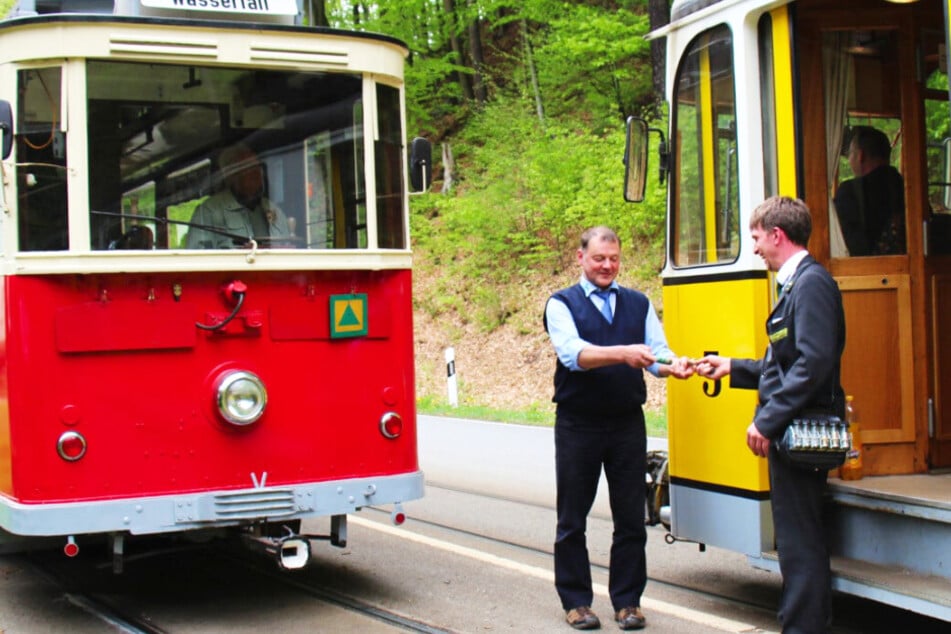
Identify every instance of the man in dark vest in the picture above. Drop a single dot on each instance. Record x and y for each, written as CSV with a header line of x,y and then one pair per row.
x,y
605,335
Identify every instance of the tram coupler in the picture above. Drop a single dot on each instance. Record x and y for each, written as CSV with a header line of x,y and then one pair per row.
x,y
337,535
291,552
671,539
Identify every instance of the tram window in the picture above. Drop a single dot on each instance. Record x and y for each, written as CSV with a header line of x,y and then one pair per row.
x,y
706,212
157,132
939,143
771,133
389,170
863,115
42,216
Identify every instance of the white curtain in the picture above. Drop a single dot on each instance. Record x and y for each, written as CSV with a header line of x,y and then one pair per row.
x,y
837,72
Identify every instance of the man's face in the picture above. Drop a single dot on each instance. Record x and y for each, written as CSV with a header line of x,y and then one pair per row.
x,y
247,182
855,159
766,245
600,261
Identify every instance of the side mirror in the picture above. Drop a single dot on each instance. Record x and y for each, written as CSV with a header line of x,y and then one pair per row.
x,y
635,158
420,164
6,129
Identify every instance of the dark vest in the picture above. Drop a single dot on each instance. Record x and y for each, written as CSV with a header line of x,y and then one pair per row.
x,y
614,391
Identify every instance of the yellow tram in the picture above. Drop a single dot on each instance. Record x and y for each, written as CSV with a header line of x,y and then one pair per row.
x,y
764,97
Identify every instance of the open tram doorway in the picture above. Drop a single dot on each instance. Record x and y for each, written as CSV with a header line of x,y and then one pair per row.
x,y
881,223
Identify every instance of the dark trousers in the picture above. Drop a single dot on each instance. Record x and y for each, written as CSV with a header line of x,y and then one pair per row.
x,y
797,499
580,452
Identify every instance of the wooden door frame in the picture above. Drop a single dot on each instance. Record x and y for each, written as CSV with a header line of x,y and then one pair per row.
x,y
907,451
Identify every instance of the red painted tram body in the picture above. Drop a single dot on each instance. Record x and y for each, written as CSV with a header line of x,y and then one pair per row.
x,y
150,384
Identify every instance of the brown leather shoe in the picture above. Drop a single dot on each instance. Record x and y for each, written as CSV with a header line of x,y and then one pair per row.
x,y
630,619
582,618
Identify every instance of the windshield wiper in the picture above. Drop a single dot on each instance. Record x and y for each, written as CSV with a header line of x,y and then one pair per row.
x,y
238,239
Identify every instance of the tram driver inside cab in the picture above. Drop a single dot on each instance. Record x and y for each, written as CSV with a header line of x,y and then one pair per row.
x,y
241,211
871,206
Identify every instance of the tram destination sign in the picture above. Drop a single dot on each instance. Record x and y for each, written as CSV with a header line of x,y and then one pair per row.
x,y
246,7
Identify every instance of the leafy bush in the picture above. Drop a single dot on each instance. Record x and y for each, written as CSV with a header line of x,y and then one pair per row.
x,y
523,194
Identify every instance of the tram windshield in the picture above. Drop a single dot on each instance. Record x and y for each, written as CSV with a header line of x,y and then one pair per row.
x,y
202,157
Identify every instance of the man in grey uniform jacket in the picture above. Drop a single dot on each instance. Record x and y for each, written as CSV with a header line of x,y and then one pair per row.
x,y
241,212
799,372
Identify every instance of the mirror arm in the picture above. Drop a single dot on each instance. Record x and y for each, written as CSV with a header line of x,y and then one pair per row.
x,y
663,155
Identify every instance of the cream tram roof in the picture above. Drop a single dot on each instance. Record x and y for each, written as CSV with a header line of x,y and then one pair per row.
x,y
261,11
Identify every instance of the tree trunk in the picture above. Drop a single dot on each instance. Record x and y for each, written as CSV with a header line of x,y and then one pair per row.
x,y
659,14
357,6
530,62
449,6
478,61
448,164
315,13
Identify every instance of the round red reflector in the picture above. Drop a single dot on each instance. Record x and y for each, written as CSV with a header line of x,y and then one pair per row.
x,y
71,446
391,425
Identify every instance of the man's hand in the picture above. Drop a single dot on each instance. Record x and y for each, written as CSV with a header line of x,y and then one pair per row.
x,y
713,367
680,368
757,442
637,355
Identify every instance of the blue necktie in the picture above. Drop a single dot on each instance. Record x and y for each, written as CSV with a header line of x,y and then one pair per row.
x,y
606,306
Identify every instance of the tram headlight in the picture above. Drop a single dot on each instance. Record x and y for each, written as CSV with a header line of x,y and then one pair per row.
x,y
241,397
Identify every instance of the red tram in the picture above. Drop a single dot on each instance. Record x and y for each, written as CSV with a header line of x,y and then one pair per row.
x,y
153,383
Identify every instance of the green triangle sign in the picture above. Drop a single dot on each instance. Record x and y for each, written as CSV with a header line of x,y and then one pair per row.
x,y
349,318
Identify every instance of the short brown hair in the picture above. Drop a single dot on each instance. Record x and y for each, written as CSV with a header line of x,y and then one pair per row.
x,y
601,232
789,214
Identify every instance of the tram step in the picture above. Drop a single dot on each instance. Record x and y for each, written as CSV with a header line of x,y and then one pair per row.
x,y
925,496
893,585
893,580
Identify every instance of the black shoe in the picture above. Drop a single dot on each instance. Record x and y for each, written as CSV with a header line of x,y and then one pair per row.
x,y
582,618
630,619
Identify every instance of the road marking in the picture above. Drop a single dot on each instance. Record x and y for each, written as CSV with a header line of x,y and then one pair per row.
x,y
687,614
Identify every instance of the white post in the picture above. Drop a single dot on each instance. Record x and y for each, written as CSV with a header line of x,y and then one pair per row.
x,y
451,377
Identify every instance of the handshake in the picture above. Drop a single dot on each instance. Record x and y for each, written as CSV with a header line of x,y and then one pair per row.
x,y
710,366
680,367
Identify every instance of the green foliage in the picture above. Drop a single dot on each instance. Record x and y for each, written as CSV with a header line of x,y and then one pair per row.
x,y
595,58
588,56
938,124
524,195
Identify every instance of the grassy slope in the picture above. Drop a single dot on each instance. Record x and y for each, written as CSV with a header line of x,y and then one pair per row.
x,y
489,253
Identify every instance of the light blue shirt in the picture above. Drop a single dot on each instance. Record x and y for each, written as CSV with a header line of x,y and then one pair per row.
x,y
569,344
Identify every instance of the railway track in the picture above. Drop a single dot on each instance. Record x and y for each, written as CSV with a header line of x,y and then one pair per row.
x,y
461,563
92,588
728,587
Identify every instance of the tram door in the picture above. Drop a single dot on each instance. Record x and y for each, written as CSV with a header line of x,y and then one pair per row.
x,y
882,212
